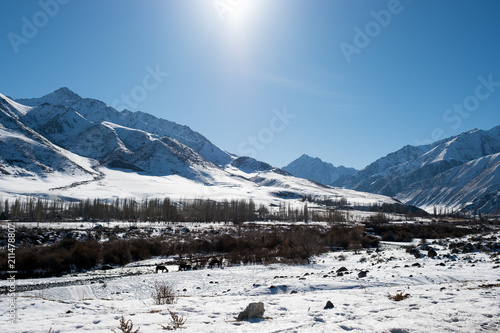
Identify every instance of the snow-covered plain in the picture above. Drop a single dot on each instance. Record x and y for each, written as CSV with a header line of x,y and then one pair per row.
x,y
450,293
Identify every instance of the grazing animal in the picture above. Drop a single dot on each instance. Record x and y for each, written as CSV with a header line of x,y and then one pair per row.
x,y
184,267
213,263
161,268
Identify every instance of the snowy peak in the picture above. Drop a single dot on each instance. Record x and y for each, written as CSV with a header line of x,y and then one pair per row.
x,y
466,146
420,175
314,168
95,111
62,96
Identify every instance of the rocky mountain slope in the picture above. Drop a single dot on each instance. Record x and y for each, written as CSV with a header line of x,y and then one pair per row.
x,y
460,172
457,173
315,169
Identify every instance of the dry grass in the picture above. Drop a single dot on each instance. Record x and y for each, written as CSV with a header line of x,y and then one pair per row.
x,y
126,326
398,297
176,321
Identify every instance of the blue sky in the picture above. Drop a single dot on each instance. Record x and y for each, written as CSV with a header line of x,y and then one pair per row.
x,y
344,80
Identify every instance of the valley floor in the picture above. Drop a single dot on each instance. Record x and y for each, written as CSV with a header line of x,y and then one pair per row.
x,y
449,293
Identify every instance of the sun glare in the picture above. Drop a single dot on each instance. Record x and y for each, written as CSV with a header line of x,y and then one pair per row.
x,y
240,21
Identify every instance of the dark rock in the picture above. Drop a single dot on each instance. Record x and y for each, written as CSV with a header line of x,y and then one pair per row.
x,y
329,305
468,248
342,269
431,253
414,251
252,311
362,274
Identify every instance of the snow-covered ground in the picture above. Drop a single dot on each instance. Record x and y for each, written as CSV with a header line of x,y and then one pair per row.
x,y
450,293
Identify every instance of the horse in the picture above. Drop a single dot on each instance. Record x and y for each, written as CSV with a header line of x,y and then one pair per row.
x,y
214,262
184,267
161,268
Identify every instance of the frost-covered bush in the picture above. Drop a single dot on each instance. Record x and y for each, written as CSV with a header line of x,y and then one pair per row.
x,y
163,293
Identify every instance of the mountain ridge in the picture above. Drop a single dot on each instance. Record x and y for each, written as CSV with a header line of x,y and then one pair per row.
x,y
74,147
314,168
420,175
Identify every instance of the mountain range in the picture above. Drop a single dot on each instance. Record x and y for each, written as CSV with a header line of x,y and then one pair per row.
x,y
64,146
457,173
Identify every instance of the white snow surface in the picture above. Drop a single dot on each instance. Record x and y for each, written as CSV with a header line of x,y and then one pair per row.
x,y
13,106
460,294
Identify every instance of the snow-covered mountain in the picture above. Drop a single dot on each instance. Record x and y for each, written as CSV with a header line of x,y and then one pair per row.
x,y
322,172
27,158
63,145
460,172
95,112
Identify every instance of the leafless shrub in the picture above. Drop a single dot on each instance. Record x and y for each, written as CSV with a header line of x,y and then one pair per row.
x,y
176,321
163,293
126,326
398,297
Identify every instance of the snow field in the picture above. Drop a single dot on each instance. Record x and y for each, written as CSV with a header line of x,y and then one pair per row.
x,y
460,294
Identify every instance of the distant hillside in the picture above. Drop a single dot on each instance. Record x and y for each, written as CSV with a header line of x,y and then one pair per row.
x,y
322,172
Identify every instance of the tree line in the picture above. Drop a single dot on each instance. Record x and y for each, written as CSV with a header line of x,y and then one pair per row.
x,y
160,210
128,209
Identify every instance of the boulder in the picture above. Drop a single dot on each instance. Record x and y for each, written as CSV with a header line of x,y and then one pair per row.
x,y
252,311
362,274
329,305
342,269
432,253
